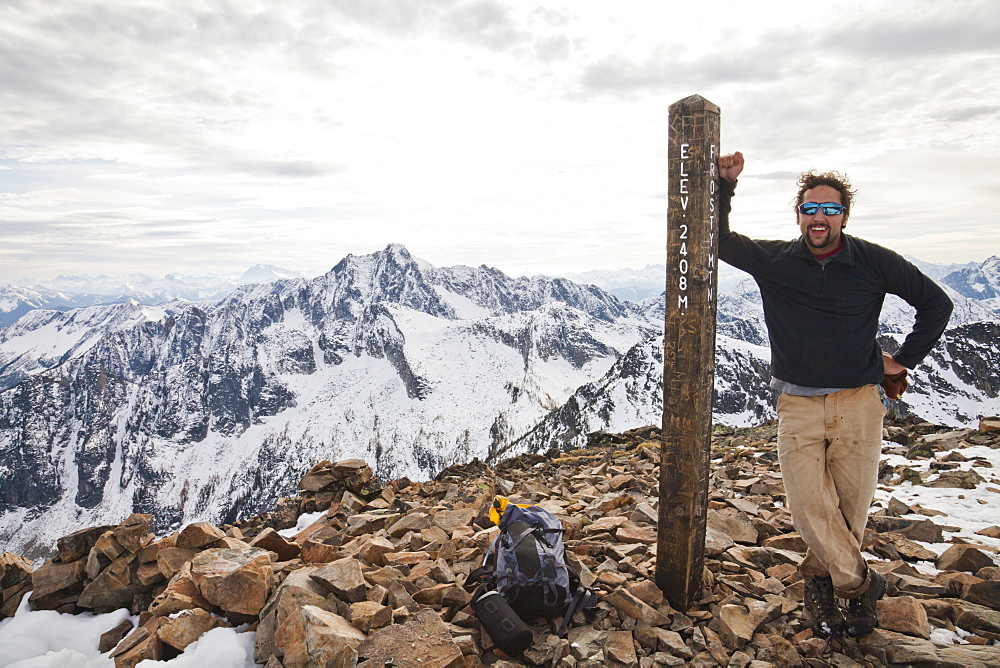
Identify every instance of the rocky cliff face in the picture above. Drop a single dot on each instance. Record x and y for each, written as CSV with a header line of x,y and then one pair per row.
x,y
980,283
964,368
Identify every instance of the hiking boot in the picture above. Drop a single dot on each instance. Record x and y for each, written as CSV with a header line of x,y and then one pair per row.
x,y
862,612
827,620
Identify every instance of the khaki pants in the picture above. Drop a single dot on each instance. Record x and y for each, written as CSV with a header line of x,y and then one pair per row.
x,y
829,448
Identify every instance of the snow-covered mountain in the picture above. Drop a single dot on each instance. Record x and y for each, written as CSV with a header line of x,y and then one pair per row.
x,y
213,409
980,283
68,292
939,271
266,273
44,339
17,300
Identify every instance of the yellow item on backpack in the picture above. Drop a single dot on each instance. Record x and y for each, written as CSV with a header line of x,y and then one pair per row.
x,y
500,506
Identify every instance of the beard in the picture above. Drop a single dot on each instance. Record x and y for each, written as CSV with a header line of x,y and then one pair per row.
x,y
821,242
825,240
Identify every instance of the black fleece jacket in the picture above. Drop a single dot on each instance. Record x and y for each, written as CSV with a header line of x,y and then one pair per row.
x,y
822,319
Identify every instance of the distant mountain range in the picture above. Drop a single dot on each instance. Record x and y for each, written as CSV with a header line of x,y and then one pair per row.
x,y
64,293
638,284
980,282
68,292
213,408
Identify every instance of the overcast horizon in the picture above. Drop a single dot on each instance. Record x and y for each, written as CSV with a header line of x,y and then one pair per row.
x,y
207,137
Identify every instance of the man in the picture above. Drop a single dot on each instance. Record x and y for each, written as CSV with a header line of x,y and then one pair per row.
x,y
822,295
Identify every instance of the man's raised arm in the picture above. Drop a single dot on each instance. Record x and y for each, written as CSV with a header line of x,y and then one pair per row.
x,y
734,249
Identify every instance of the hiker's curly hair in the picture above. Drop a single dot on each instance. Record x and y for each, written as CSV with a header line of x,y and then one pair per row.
x,y
836,180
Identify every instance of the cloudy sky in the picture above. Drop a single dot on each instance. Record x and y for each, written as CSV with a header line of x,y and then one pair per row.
x,y
201,136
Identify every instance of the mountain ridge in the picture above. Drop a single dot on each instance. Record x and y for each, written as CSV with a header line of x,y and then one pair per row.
x,y
206,410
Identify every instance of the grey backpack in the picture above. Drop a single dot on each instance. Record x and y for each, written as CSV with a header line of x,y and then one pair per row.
x,y
528,566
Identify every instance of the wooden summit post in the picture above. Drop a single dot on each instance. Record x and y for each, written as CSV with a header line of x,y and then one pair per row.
x,y
688,347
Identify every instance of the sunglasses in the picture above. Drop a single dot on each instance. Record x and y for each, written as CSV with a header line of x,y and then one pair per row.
x,y
829,208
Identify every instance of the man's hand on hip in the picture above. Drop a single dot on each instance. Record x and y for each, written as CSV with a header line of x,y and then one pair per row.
x,y
894,382
891,366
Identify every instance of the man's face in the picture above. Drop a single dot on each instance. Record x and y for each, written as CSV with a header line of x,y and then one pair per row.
x,y
820,231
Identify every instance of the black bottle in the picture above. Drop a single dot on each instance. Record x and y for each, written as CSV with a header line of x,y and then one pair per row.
x,y
509,632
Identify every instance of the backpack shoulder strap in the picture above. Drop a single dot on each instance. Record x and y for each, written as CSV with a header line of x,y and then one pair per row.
x,y
516,540
584,599
493,546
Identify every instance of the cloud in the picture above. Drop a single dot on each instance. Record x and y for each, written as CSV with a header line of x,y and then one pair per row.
x,y
764,58
777,176
487,23
967,113
386,16
618,73
946,30
286,168
549,49
312,128
847,51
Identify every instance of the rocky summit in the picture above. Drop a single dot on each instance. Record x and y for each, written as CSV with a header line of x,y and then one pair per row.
x,y
353,571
